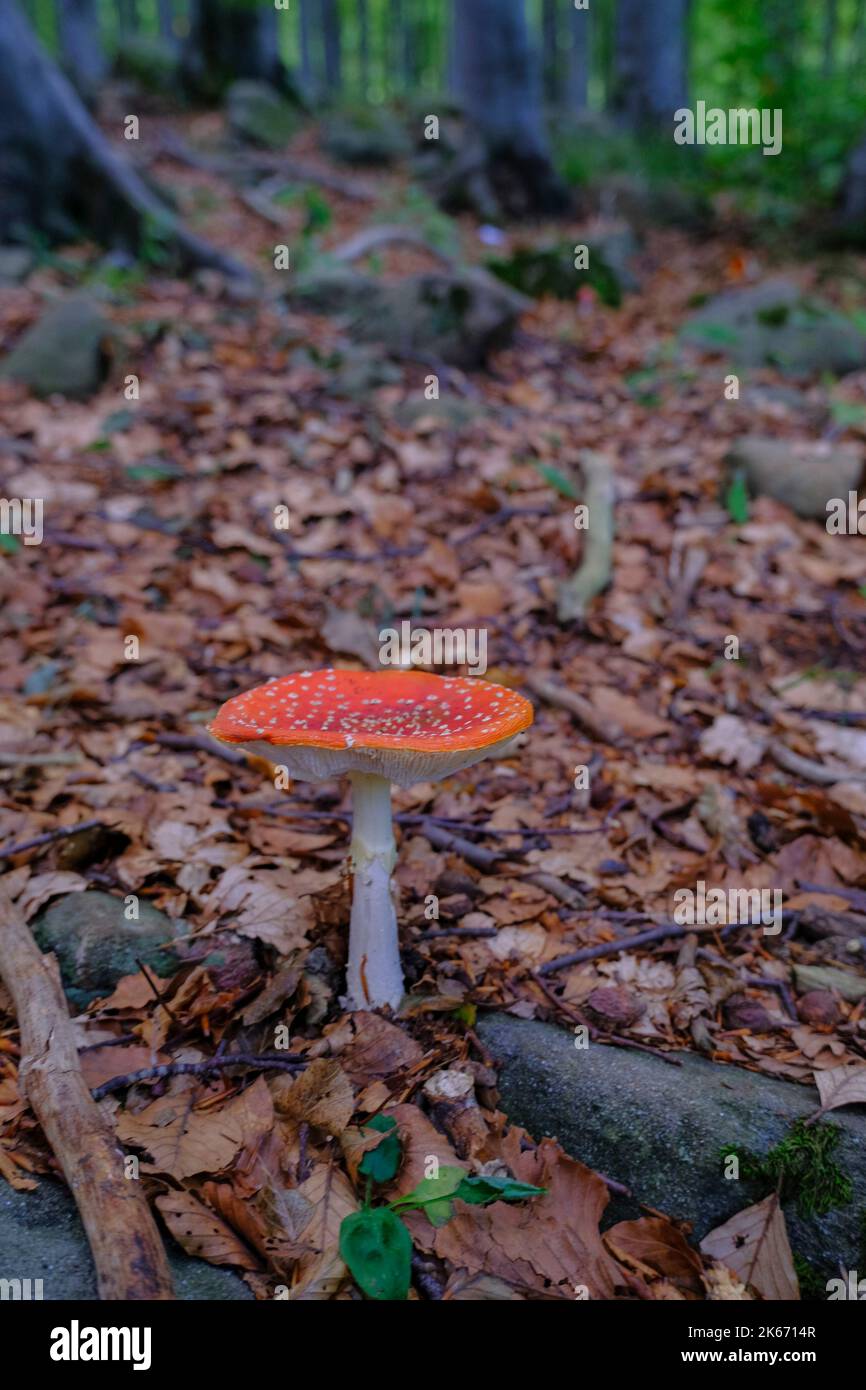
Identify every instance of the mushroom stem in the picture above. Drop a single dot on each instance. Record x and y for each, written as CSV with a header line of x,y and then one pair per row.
x,y
375,976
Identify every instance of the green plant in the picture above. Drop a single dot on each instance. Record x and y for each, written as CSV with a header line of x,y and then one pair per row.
x,y
376,1244
800,1167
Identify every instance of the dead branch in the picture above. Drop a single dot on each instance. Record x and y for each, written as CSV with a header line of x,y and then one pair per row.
x,y
605,730
127,1251
594,572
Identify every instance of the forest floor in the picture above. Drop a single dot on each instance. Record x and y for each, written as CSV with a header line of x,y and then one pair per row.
x,y
454,513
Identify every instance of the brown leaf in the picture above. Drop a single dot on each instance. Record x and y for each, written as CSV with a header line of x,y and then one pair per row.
x,y
322,1096
199,1231
547,1245
754,1244
841,1086
657,1244
183,1142
376,1050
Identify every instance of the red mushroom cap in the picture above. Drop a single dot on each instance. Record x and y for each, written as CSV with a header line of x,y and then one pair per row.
x,y
455,719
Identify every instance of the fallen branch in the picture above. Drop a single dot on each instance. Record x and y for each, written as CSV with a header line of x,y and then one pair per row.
x,y
605,730
48,838
823,774
613,948
260,1062
371,239
127,1251
594,572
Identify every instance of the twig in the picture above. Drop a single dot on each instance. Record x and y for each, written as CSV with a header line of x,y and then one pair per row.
x,y
824,774
594,572
262,1061
127,1251
480,858
855,896
59,833
613,948
371,239
605,730
437,933
40,759
198,743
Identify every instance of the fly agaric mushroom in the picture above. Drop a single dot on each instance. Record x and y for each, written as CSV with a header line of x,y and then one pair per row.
x,y
379,727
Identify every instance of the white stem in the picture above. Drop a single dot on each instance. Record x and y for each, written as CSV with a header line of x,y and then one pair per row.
x,y
375,977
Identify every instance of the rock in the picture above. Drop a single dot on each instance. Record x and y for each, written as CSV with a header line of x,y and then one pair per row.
x,y
773,324
818,1008
456,316
257,113
805,476
660,1131
41,1237
16,262
550,270
851,987
367,136
612,1008
148,60
852,211
66,352
742,1012
95,944
646,203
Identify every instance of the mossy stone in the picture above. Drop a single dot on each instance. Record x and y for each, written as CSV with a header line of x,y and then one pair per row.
x,y
96,944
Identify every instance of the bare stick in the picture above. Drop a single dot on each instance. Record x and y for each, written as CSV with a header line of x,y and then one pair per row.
x,y
127,1251
613,948
594,571
265,1062
577,705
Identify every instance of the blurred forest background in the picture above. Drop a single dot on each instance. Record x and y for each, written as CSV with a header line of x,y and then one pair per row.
x,y
617,59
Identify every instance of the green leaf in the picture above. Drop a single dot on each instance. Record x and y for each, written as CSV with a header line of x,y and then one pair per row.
x,y
433,1195
557,480
377,1249
9,543
381,1163
477,1190
737,499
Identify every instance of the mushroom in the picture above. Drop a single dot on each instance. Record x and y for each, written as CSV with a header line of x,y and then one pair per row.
x,y
379,727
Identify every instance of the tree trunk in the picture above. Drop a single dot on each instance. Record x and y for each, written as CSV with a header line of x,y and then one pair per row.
x,y
331,39
81,49
578,60
165,20
853,197
498,85
651,61
227,42
831,28
59,176
127,17
364,46
550,48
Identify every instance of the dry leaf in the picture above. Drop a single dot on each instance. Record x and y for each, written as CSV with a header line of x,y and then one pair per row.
x,y
754,1244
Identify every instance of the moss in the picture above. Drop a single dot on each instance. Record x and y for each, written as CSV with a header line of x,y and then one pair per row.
x,y
801,1167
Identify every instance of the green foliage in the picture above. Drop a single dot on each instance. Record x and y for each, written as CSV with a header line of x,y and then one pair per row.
x,y
801,1167
737,498
377,1250
376,1245
381,1163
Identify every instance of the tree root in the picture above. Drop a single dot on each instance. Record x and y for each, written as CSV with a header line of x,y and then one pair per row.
x,y
127,1250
